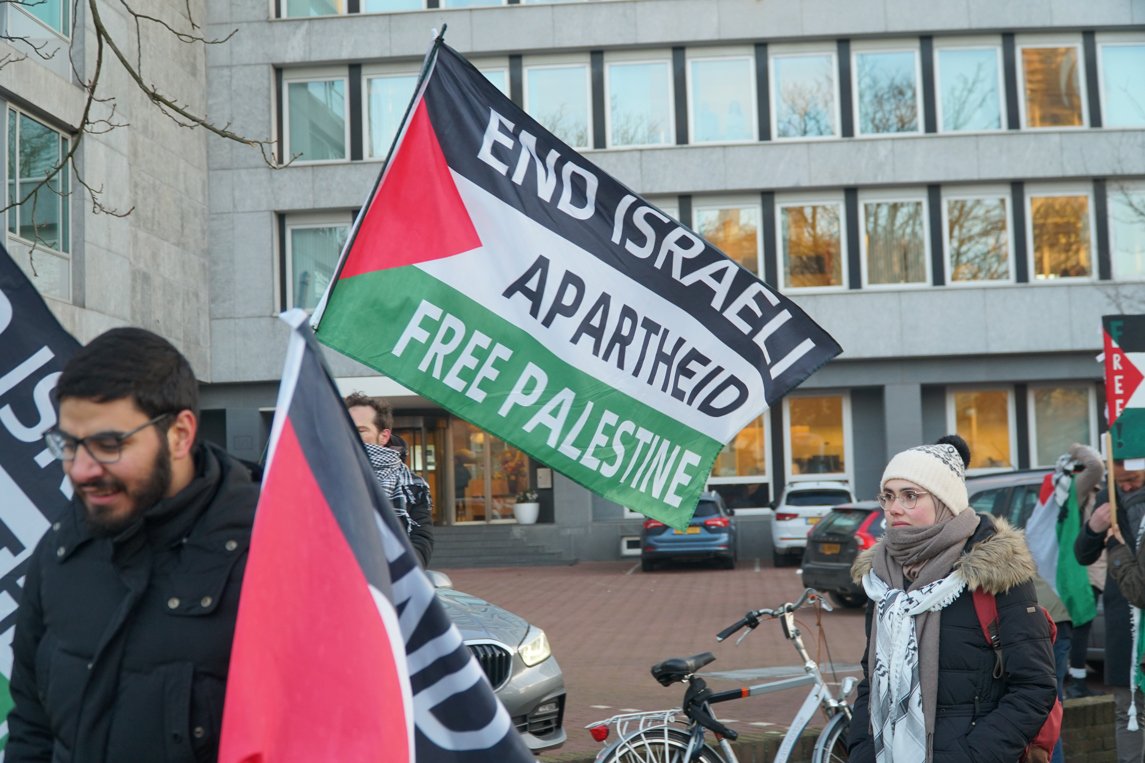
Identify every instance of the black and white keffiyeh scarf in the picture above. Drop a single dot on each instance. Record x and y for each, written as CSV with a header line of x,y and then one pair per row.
x,y
897,719
400,485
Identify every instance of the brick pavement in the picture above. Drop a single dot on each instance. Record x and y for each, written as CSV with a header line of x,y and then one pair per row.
x,y
608,623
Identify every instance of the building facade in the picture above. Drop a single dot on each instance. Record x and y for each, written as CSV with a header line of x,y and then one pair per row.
x,y
956,195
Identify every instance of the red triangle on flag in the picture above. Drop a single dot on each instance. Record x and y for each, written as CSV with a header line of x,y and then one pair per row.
x,y
417,214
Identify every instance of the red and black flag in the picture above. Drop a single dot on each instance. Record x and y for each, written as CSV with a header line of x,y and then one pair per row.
x,y
342,651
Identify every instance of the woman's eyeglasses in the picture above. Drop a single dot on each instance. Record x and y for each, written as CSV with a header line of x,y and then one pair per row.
x,y
907,498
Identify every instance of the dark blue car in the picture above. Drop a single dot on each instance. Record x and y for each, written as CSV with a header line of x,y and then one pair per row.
x,y
711,534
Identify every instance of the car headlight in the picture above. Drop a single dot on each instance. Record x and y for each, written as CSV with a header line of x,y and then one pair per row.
x,y
535,647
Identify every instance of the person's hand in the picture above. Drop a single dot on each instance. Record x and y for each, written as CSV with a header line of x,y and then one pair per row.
x,y
1099,521
1036,754
1114,533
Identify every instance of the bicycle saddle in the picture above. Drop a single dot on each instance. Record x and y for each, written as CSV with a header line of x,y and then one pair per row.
x,y
676,669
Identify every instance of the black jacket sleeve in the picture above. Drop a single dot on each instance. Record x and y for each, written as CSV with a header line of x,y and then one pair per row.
x,y
860,743
421,525
1088,546
29,732
1128,571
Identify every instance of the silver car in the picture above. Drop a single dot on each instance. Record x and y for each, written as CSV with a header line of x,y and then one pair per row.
x,y
517,660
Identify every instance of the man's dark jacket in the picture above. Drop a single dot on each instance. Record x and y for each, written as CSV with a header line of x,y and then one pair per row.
x,y
122,644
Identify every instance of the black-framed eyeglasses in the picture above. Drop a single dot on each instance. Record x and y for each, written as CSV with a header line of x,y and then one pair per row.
x,y
907,498
103,447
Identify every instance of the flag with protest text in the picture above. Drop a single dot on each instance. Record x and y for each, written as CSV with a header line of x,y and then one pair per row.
x,y
33,350
342,651
501,274
1124,393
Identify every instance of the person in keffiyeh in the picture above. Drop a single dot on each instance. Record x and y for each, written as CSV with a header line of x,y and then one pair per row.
x,y
930,691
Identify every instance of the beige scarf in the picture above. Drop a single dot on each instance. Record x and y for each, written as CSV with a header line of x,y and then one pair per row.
x,y
909,558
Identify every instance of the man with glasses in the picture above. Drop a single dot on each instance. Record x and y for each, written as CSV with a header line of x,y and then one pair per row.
x,y
123,635
1119,636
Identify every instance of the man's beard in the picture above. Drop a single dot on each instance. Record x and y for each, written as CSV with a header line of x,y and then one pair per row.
x,y
147,495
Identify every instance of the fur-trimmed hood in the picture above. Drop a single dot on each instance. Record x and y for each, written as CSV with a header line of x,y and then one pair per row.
x,y
995,564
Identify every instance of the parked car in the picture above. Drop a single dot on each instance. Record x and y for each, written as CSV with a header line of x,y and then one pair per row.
x,y
833,545
711,534
517,660
799,509
1013,496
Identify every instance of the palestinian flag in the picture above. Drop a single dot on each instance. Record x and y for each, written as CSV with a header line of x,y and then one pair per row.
x,y
502,275
1124,392
1050,533
342,651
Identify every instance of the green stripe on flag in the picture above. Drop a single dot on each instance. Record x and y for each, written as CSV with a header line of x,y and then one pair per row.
x,y
610,442
1129,434
1072,578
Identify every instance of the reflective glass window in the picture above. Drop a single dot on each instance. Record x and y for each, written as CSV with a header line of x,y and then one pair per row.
x,y
895,242
558,97
312,256
1061,237
386,6
982,417
35,150
640,104
1061,418
804,95
812,248
745,455
388,97
1127,231
1052,77
815,426
470,3
887,92
968,89
721,97
54,13
1123,85
734,230
317,120
977,239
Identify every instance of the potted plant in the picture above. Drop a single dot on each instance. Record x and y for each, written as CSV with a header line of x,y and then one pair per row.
x,y
526,507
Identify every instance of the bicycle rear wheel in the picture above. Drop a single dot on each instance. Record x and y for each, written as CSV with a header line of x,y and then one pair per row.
x,y
658,745
831,745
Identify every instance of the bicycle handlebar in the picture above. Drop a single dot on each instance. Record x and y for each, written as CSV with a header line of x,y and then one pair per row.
x,y
752,618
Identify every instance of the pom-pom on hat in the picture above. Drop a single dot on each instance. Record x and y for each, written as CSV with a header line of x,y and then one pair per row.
x,y
940,469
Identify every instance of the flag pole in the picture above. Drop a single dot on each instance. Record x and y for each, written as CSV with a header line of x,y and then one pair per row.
x,y
1110,482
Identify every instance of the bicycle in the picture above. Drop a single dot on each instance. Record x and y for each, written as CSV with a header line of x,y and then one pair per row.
x,y
662,737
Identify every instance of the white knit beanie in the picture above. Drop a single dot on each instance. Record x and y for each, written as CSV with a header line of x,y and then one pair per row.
x,y
937,469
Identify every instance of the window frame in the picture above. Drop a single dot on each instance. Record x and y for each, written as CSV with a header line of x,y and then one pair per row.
x,y
1032,425
886,46
848,473
308,74
735,53
978,192
1011,423
718,202
804,51
742,479
652,56
1047,190
900,195
1136,187
306,221
966,44
1114,40
1051,41
66,17
533,63
804,200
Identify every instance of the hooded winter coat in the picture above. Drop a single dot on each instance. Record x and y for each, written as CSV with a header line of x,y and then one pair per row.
x,y
122,644
978,717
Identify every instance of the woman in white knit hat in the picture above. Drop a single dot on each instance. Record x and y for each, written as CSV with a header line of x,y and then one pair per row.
x,y
930,689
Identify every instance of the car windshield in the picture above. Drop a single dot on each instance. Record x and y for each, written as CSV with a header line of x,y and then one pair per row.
x,y
706,509
843,520
817,498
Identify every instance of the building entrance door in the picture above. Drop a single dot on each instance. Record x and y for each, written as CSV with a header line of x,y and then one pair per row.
x,y
487,475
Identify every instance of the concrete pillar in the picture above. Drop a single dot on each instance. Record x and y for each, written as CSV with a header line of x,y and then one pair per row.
x,y
902,411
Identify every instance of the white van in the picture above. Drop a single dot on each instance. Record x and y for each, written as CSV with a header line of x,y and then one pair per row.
x,y
799,509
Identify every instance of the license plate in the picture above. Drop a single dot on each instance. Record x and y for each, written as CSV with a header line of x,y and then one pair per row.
x,y
687,531
813,520
829,548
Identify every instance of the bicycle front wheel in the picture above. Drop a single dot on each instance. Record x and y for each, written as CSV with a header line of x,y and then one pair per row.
x,y
831,746
658,745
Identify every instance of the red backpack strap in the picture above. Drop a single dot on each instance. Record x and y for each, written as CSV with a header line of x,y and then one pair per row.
x,y
986,607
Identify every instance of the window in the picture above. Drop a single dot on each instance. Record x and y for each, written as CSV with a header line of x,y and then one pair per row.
x,y
558,96
886,82
805,98
895,247
304,8
721,99
1122,84
55,14
386,6
488,473
1127,231
740,471
1052,83
387,98
470,3
41,217
977,237
1060,416
982,417
316,128
811,244
969,84
733,229
640,106
818,434
312,251
497,74
1060,235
